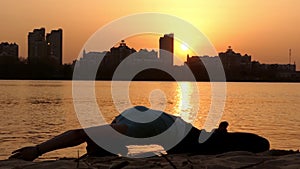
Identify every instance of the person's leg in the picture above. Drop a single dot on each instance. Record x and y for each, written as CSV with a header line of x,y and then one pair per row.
x,y
189,144
67,139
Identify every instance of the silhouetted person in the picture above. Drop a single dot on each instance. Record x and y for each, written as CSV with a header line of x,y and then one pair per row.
x,y
190,144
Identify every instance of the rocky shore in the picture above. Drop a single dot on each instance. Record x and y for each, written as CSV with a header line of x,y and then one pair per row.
x,y
275,159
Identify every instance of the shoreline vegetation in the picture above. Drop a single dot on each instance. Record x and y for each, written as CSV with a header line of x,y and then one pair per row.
x,y
231,160
66,72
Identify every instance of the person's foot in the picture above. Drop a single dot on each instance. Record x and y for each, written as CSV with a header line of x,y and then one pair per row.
x,y
223,126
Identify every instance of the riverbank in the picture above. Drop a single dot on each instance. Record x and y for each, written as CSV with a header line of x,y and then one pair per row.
x,y
275,159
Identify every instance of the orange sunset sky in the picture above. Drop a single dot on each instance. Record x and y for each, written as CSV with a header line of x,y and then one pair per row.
x,y
264,29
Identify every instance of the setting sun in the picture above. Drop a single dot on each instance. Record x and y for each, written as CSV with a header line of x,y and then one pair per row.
x,y
184,47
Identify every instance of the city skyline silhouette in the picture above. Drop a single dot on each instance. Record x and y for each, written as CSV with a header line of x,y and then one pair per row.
x,y
45,57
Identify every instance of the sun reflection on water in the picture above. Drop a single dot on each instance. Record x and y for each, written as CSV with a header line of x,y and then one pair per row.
x,y
187,94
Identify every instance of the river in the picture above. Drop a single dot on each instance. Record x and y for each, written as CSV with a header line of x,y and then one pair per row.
x,y
34,111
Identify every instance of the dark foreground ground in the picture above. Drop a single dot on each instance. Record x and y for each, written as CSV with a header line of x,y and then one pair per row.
x,y
274,159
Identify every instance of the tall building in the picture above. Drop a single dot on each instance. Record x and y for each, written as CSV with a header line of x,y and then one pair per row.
x,y
9,53
54,46
36,46
45,49
166,49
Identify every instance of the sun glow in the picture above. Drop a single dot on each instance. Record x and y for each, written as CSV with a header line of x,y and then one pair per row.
x,y
184,47
150,41
181,50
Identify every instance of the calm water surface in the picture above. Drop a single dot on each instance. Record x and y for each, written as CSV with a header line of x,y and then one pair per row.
x,y
34,111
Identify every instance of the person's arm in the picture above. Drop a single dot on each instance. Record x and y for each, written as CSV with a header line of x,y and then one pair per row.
x,y
67,139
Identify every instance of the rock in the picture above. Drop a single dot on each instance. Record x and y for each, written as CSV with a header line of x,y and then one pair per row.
x,y
238,160
119,165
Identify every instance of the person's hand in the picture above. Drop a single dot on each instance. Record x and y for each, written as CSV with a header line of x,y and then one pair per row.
x,y
25,153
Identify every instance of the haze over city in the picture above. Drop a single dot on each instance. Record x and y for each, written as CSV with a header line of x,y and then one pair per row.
x,y
264,29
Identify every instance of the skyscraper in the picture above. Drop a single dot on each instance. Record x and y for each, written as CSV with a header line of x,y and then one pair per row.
x,y
36,46
54,46
166,49
47,50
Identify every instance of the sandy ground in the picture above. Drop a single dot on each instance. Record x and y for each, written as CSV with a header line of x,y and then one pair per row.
x,y
273,159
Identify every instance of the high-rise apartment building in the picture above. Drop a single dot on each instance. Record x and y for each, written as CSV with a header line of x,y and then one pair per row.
x,y
36,46
166,49
43,49
54,46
